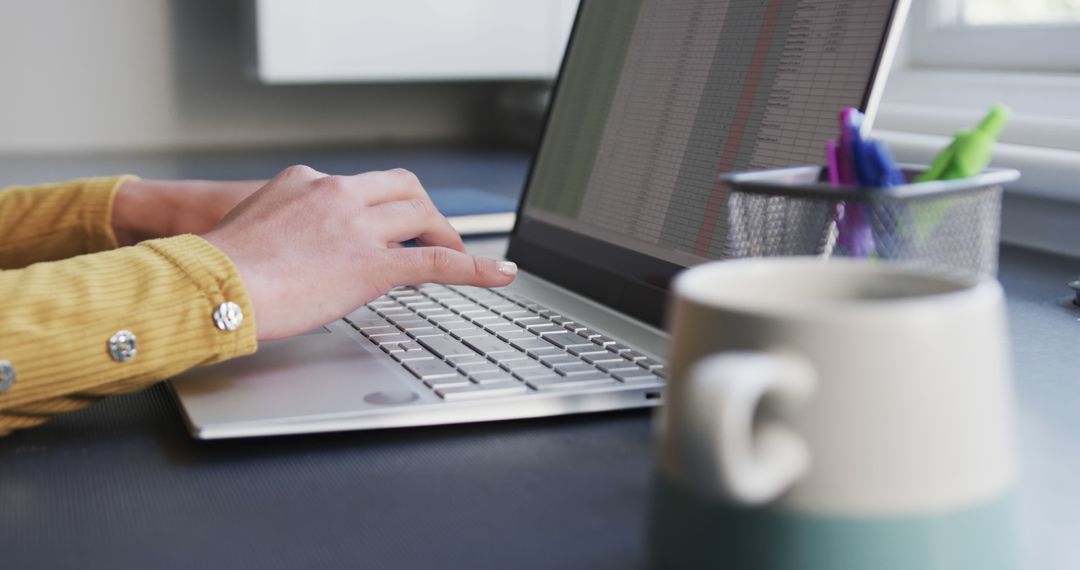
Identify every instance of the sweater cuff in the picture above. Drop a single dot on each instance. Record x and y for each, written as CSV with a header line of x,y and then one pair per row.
x,y
214,274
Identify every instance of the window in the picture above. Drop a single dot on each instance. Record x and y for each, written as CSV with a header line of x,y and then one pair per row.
x,y
1021,35
1005,12
958,58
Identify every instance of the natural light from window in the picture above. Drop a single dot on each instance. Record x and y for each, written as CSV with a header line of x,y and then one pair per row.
x,y
1013,12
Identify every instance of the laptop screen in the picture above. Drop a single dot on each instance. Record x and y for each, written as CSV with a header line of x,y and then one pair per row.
x,y
655,99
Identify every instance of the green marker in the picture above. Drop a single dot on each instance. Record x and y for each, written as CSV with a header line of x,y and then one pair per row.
x,y
967,155
969,152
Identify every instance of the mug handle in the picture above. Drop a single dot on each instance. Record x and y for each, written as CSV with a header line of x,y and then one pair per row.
x,y
743,396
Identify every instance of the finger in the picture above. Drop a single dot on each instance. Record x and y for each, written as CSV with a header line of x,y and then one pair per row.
x,y
381,186
418,219
416,265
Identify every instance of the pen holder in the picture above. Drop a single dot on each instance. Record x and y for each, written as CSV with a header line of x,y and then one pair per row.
x,y
950,226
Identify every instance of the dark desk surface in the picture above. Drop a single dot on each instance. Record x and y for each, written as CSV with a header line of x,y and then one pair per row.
x,y
121,485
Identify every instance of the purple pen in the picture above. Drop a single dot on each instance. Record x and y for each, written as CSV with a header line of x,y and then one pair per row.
x,y
833,162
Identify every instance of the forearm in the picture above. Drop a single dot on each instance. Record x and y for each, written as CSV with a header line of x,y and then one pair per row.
x,y
48,222
150,209
56,321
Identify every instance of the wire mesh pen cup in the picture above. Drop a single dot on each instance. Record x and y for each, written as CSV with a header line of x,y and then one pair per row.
x,y
949,226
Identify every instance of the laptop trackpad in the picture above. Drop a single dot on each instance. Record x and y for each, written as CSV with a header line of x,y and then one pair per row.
x,y
288,379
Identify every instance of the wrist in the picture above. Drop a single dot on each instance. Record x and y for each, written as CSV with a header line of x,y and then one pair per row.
x,y
140,212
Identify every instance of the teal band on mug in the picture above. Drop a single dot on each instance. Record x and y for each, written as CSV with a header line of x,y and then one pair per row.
x,y
687,531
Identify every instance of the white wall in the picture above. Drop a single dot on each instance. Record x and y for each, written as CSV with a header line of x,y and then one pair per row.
x,y
133,75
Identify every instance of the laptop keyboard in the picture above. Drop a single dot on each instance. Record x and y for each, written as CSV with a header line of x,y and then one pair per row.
x,y
469,343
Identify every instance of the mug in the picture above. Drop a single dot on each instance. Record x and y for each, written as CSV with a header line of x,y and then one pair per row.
x,y
832,415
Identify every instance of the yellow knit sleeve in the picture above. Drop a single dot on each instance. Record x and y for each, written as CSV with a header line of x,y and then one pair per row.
x,y
47,222
57,318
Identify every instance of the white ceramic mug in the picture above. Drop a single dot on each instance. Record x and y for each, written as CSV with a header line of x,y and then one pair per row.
x,y
840,414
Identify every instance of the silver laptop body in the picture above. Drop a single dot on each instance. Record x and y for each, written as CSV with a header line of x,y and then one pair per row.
x,y
655,98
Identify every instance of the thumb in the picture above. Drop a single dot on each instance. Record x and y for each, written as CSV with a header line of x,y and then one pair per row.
x,y
413,265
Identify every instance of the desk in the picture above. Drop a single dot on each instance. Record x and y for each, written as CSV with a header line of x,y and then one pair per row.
x,y
121,485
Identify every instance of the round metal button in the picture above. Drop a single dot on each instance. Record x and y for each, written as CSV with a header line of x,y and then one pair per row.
x,y
228,316
122,346
7,375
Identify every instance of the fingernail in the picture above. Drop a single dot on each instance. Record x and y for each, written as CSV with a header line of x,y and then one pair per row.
x,y
506,267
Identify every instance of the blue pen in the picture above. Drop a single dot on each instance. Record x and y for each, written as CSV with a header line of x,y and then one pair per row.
x,y
888,225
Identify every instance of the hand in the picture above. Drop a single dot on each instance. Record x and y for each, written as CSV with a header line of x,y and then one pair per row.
x,y
311,247
148,209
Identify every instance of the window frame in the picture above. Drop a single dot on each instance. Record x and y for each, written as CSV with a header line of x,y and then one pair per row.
x,y
941,40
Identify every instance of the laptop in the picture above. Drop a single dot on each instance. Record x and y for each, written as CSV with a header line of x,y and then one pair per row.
x,y
654,100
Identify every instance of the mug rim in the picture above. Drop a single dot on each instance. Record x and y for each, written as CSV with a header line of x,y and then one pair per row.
x,y
688,286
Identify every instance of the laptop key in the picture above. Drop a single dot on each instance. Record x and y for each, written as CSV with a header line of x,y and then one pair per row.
x,y
584,349
546,329
448,318
535,373
417,303
603,340
530,342
406,324
530,320
489,320
496,377
574,368
501,326
470,359
456,323
445,346
526,364
635,376
477,391
389,339
539,352
483,367
413,354
557,358
567,339
424,331
471,332
431,313
396,313
488,345
603,357
513,335
618,366
379,330
649,363
447,381
428,369
573,326
570,382
501,357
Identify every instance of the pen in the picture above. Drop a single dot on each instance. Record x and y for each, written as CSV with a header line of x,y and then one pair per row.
x,y
833,162
967,155
854,232
969,152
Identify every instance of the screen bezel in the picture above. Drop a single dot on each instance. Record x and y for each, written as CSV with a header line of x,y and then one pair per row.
x,y
623,279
